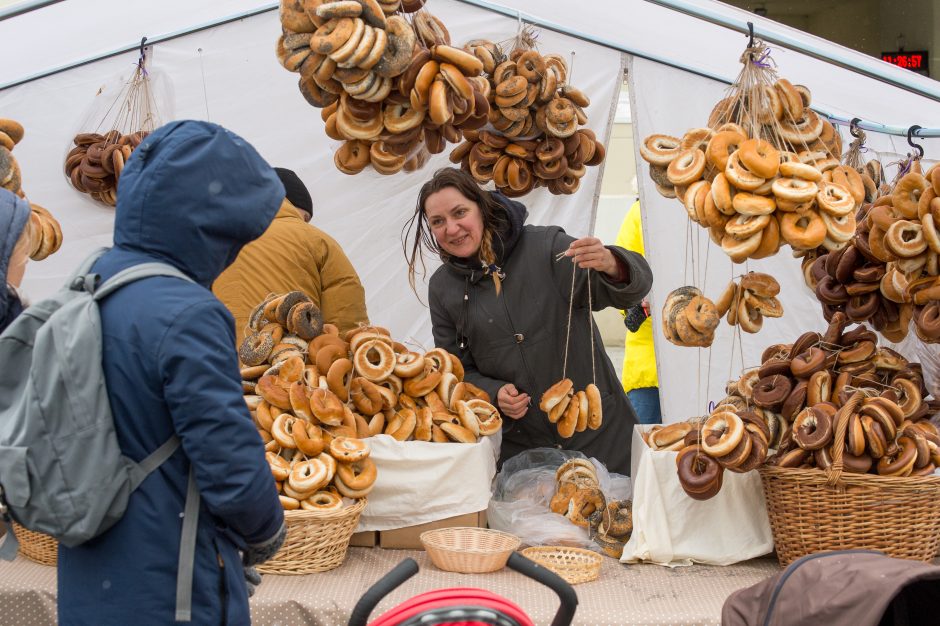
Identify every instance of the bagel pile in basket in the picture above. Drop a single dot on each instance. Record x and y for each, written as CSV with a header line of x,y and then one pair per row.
x,y
690,319
572,412
95,164
765,173
46,233
889,274
393,91
358,385
790,404
535,140
579,498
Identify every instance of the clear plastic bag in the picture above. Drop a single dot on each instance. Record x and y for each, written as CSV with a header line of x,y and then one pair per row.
x,y
524,488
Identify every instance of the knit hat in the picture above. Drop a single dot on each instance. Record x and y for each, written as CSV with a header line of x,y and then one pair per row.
x,y
297,193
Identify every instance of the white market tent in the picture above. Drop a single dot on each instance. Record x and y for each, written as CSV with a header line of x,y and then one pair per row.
x,y
215,60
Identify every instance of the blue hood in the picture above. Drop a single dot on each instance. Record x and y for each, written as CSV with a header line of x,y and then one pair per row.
x,y
14,213
193,194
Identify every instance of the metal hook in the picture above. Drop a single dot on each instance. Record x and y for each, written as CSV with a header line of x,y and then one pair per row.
x,y
750,33
854,130
910,140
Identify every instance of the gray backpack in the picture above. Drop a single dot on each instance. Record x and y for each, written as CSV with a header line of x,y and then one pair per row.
x,y
61,470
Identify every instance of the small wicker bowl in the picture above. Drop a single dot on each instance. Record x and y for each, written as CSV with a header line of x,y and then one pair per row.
x,y
575,565
469,550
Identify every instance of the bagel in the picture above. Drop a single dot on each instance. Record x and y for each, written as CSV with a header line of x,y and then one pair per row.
x,y
326,407
556,394
468,64
721,433
374,360
660,149
431,31
356,479
366,396
687,167
759,157
424,383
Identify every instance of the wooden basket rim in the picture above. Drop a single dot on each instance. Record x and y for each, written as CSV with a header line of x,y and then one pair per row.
x,y
822,476
428,537
300,515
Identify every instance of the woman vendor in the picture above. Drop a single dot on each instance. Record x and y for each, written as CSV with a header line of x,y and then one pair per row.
x,y
500,301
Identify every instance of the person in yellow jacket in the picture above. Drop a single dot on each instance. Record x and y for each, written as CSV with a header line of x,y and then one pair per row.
x,y
293,255
639,361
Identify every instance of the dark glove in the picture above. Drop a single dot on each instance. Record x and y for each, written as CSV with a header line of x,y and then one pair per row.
x,y
252,580
261,552
635,317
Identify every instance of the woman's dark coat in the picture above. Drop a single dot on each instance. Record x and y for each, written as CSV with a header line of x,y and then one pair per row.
x,y
519,336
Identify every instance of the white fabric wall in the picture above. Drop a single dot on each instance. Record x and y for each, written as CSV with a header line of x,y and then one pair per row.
x,y
246,90
670,101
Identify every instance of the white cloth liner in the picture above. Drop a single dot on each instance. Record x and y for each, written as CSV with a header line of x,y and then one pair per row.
x,y
672,529
420,481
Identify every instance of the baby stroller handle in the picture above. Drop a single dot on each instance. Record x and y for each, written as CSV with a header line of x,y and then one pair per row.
x,y
385,585
564,591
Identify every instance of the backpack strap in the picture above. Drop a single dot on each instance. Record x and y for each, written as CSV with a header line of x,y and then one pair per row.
x,y
187,554
137,272
187,557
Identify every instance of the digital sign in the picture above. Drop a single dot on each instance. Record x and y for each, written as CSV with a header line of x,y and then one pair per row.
x,y
917,61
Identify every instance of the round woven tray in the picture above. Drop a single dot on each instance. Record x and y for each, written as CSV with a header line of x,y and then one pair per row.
x,y
35,546
469,550
813,510
575,565
316,541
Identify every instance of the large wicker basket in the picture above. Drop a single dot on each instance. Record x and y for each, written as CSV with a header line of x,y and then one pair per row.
x,y
316,541
37,547
812,510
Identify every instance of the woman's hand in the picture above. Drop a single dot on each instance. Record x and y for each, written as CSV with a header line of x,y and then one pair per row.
x,y
512,402
590,253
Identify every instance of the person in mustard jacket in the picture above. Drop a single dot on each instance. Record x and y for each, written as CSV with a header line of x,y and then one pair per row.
x,y
293,255
639,361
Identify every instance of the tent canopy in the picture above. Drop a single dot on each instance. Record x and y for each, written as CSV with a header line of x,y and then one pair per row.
x,y
228,73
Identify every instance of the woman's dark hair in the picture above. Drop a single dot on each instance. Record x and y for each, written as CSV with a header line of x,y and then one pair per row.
x,y
495,220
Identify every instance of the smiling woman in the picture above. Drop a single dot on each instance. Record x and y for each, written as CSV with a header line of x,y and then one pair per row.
x,y
501,303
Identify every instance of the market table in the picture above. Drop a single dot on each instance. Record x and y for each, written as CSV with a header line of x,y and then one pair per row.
x,y
624,594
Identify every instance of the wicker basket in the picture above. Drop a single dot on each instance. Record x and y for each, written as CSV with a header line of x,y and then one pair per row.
x,y
812,510
575,565
316,541
469,550
35,546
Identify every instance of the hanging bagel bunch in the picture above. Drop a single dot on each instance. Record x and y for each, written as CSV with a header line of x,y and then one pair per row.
x,y
578,497
46,234
534,139
390,87
572,412
295,366
790,404
690,319
765,173
889,274
95,164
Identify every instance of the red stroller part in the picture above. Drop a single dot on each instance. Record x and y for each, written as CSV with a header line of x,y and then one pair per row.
x,y
461,606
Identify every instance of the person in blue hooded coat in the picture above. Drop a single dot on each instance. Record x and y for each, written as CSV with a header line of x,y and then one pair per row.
x,y
14,253
191,195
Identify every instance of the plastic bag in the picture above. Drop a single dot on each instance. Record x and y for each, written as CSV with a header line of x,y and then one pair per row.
x,y
524,488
